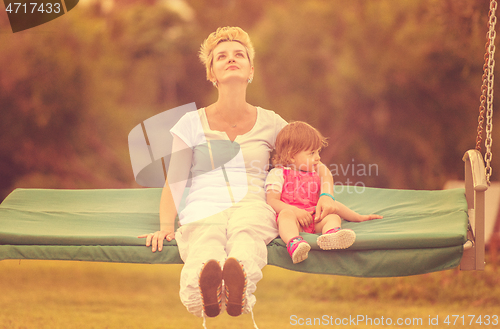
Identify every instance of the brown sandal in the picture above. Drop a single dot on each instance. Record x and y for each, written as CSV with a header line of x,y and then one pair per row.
x,y
211,287
235,281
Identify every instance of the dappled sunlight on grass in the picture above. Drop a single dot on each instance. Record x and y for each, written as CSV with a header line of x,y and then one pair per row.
x,y
479,288
62,294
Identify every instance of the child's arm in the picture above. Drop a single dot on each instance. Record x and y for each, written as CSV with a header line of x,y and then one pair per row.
x,y
325,205
273,198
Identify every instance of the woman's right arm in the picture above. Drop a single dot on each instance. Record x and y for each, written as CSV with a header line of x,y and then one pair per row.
x,y
171,195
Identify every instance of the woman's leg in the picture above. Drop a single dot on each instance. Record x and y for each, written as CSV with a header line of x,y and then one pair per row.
x,y
199,242
251,227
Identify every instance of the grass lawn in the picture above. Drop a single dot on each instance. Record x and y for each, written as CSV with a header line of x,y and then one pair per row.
x,y
62,294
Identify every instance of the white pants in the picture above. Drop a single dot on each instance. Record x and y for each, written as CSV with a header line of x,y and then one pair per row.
x,y
242,231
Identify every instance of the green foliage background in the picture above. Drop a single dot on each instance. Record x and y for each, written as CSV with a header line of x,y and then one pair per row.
x,y
392,83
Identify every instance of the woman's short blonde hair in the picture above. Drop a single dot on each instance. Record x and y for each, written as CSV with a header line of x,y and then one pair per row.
x,y
221,35
296,137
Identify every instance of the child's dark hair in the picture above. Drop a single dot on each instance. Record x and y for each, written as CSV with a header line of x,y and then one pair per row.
x,y
295,137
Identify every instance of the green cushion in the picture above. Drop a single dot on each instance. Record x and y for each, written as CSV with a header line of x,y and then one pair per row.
x,y
422,231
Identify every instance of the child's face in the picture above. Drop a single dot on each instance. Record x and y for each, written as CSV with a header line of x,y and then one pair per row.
x,y
306,160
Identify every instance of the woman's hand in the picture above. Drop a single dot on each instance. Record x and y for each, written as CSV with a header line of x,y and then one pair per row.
x,y
155,240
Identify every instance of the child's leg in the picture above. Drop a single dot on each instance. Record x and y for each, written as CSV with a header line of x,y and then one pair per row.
x,y
328,223
289,229
333,236
288,225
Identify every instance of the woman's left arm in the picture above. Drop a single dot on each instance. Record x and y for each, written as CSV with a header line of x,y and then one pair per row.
x,y
326,205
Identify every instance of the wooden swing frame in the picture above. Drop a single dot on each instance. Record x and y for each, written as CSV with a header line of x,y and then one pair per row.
x,y
477,175
475,188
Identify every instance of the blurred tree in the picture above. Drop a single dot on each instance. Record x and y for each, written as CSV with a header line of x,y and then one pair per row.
x,y
39,111
218,13
61,123
393,83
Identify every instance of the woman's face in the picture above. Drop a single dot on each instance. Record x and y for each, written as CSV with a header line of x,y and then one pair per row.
x,y
231,63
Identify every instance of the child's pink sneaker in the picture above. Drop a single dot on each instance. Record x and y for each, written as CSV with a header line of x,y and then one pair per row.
x,y
298,249
336,239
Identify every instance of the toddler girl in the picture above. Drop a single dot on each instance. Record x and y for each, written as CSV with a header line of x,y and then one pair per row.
x,y
293,189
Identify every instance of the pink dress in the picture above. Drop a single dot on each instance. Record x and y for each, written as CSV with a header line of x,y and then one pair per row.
x,y
301,189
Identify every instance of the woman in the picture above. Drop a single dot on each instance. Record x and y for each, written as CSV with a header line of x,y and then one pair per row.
x,y
226,224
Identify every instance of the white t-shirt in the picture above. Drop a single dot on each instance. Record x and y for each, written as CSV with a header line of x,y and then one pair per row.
x,y
275,180
224,172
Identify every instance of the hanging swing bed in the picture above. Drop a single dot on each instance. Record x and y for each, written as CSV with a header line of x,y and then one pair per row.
x,y
421,232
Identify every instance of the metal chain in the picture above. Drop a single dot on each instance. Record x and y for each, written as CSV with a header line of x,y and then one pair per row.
x,y
486,99
489,98
482,99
